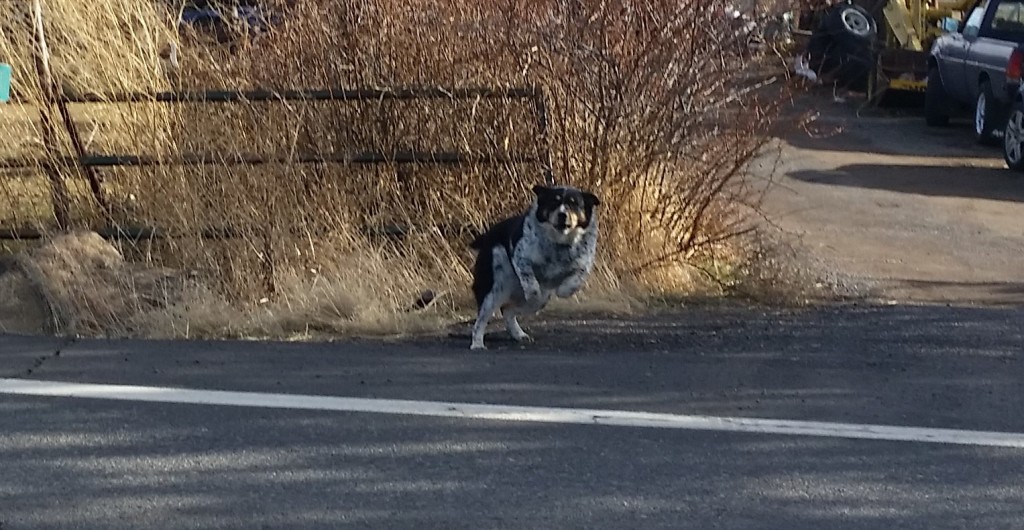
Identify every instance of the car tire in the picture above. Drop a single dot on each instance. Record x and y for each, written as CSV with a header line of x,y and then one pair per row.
x,y
851,25
1013,138
986,115
842,47
936,102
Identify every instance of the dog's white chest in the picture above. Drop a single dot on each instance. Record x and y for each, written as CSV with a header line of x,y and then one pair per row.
x,y
552,262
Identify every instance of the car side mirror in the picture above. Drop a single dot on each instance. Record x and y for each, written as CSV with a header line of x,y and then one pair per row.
x,y
950,25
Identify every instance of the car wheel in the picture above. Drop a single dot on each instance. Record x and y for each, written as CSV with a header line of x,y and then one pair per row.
x,y
842,48
935,100
986,115
852,25
1013,138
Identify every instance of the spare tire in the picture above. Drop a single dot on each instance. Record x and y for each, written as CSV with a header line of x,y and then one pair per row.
x,y
842,47
851,25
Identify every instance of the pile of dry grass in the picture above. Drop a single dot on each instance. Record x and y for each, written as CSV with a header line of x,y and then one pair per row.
x,y
81,285
650,106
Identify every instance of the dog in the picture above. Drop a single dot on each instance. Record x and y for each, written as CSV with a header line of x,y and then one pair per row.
x,y
523,260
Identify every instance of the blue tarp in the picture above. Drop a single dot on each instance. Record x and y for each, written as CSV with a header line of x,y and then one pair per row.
x,y
5,82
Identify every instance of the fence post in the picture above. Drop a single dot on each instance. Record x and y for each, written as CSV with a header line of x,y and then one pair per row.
x,y
58,188
541,108
95,182
268,234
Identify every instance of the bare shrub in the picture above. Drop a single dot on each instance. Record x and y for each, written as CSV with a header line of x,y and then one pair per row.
x,y
650,105
651,110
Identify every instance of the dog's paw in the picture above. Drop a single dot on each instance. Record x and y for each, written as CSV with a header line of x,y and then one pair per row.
x,y
564,291
522,336
477,346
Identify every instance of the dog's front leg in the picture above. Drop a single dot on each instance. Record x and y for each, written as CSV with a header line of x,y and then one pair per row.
x,y
514,329
528,281
572,284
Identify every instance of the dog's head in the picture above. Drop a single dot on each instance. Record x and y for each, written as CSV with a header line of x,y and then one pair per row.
x,y
564,210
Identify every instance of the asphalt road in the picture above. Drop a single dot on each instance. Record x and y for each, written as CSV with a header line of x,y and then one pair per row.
x,y
93,463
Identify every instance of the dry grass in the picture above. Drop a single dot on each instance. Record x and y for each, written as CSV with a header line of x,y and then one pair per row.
x,y
647,109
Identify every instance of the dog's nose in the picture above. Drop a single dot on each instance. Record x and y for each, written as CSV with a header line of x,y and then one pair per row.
x,y
562,218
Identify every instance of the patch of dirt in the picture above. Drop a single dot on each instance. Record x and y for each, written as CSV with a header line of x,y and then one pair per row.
x,y
883,207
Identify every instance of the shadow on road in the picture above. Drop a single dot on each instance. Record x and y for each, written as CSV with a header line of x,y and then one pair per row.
x,y
967,182
898,137
838,127
181,467
135,465
1008,294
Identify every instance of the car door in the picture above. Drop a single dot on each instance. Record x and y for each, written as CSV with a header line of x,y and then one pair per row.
x,y
1001,32
956,70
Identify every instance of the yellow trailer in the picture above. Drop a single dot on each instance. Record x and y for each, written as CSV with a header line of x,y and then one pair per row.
x,y
906,30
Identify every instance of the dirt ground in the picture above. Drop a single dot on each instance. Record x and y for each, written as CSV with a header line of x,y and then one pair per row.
x,y
878,205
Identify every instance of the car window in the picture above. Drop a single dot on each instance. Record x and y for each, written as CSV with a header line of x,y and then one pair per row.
x,y
973,25
1009,17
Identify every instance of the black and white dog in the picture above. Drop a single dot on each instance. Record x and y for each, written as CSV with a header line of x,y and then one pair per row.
x,y
523,260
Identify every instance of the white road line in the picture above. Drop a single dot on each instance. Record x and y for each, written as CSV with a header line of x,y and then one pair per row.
x,y
619,418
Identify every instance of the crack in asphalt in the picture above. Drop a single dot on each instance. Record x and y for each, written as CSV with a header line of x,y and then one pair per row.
x,y
38,362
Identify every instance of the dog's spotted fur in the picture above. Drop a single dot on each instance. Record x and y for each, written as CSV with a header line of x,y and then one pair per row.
x,y
523,260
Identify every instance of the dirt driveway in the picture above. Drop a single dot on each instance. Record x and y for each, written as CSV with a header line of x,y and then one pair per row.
x,y
883,206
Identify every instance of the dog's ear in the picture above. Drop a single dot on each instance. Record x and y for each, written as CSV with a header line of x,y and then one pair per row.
x,y
590,199
541,191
